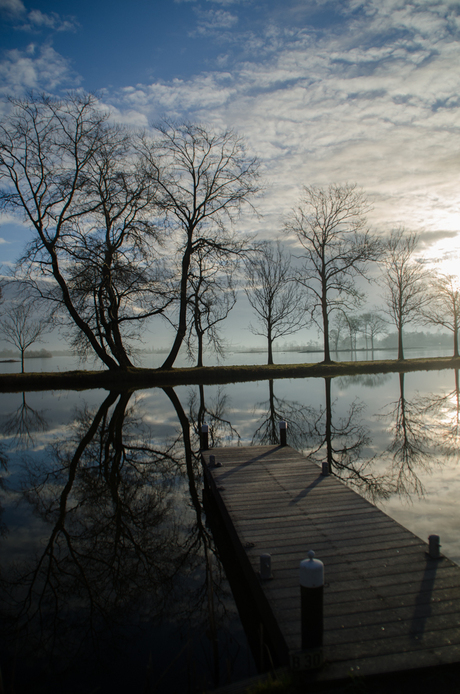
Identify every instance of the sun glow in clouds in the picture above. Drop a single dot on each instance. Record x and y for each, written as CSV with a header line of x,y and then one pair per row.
x,y
444,256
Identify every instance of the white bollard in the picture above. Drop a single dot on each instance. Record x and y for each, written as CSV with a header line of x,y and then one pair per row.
x,y
311,601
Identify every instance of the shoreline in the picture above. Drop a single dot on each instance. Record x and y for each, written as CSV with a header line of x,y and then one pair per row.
x,y
140,378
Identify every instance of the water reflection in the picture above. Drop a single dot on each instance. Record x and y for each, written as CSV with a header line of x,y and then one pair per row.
x,y
422,429
24,423
446,409
276,409
109,549
114,555
211,411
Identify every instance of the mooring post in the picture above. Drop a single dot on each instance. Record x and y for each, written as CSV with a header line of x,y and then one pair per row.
x,y
283,432
311,601
433,546
204,442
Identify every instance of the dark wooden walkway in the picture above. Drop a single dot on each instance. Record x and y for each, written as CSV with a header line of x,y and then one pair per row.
x,y
388,606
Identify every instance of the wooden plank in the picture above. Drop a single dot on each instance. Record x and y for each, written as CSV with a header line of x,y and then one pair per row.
x,y
388,606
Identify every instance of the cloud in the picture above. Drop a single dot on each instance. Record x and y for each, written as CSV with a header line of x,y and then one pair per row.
x,y
35,68
373,101
370,96
12,7
212,21
35,20
2,240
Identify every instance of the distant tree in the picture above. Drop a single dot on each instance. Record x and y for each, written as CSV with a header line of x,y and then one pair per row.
x,y
212,297
337,246
274,296
22,327
372,324
443,307
404,281
353,324
336,333
204,179
76,180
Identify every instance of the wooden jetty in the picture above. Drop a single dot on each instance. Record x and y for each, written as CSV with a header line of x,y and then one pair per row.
x,y
388,606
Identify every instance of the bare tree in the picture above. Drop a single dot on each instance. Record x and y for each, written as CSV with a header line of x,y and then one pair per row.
x,y
353,324
204,178
404,281
337,246
444,305
274,296
76,181
372,324
212,298
336,333
22,327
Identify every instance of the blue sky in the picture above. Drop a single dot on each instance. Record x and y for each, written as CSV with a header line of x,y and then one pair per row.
x,y
365,91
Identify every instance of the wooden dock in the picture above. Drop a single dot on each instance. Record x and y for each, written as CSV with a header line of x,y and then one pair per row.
x,y
388,606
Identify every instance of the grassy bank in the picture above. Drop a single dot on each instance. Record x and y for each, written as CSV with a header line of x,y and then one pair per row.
x,y
134,379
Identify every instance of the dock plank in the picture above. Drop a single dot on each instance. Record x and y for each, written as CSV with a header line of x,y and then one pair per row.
x,y
388,606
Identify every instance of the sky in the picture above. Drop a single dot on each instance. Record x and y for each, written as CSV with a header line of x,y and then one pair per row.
x,y
360,91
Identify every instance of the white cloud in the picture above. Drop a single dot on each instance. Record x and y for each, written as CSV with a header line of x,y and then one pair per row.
x,y
37,20
34,68
211,21
375,102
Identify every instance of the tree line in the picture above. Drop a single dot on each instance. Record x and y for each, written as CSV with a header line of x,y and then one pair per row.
x,y
128,226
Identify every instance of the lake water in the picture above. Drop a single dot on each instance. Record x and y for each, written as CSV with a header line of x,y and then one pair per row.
x,y
109,575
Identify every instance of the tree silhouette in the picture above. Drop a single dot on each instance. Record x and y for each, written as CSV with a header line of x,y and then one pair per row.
x,y
204,178
77,182
274,296
443,307
337,247
404,281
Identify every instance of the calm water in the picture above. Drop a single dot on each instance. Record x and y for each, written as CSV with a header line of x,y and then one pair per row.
x,y
109,575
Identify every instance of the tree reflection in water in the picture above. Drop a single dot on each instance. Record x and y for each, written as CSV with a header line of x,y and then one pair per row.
x,y
24,424
339,442
420,428
277,409
221,431
121,545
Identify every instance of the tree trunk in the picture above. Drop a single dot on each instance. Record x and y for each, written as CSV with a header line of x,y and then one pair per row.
x,y
270,346
182,325
327,353
79,322
455,337
327,382
199,361
400,343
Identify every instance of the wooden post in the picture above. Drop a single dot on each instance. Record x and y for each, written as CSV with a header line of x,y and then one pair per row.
x,y
204,442
433,546
283,431
311,601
